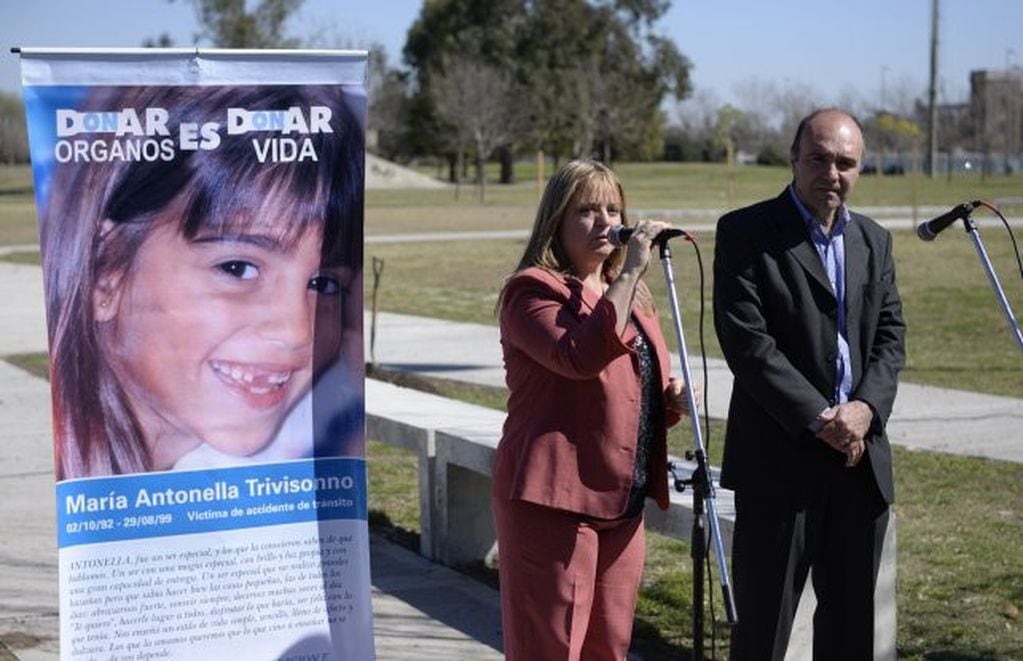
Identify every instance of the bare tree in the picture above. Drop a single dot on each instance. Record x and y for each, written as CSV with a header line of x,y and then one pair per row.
x,y
778,106
699,111
13,136
790,103
387,90
482,104
900,97
609,112
851,98
231,24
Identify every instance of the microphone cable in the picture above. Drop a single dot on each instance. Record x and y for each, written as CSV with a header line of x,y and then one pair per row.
x,y
1008,228
708,571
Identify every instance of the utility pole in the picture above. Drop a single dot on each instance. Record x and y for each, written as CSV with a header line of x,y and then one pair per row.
x,y
884,70
932,92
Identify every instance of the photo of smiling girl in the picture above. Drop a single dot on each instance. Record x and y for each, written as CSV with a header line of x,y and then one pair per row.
x,y
196,304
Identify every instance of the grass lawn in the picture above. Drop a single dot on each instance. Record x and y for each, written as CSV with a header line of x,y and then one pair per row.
x,y
960,530
960,519
648,186
960,526
958,335
713,185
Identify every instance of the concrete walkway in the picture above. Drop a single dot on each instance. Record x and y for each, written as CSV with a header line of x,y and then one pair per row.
x,y
421,610
925,417
698,221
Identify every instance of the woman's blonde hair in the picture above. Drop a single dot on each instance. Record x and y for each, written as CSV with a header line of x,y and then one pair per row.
x,y
544,248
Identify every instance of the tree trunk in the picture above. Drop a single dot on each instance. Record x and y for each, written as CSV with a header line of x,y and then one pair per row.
x,y
507,157
541,176
459,162
481,175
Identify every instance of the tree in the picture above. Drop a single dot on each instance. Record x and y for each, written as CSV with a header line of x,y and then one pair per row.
x,y
596,75
388,114
593,74
712,131
773,111
896,133
13,137
731,124
228,24
478,101
447,31
730,130
162,41
623,91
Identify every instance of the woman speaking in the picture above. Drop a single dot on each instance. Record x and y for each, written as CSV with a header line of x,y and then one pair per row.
x,y
584,443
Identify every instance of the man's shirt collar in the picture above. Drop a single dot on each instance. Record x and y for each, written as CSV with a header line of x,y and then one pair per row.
x,y
813,225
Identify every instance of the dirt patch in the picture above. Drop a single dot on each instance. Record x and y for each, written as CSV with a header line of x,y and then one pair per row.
x,y
385,174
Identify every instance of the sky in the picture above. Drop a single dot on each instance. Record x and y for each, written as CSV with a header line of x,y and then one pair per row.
x,y
833,50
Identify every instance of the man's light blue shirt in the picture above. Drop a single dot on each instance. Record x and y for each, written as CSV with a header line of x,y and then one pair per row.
x,y
832,253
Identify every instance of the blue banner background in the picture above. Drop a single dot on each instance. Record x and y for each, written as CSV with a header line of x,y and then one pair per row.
x,y
107,509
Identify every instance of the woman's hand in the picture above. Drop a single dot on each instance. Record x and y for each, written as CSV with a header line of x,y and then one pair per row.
x,y
675,399
637,255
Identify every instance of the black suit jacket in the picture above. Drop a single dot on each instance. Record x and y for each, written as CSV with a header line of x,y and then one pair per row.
x,y
776,318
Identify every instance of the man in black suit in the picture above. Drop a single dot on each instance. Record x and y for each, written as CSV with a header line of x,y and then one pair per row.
x,y
810,322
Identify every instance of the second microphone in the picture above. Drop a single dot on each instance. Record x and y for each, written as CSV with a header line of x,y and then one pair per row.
x,y
619,234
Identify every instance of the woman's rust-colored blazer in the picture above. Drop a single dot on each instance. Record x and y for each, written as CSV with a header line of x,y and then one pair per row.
x,y
570,437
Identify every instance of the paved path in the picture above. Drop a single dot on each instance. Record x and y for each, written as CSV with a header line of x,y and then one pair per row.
x,y
924,417
22,321
699,225
421,610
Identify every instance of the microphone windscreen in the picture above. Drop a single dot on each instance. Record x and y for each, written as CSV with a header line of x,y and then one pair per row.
x,y
619,235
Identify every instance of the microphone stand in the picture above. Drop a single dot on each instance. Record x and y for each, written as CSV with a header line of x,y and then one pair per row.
x,y
971,229
700,481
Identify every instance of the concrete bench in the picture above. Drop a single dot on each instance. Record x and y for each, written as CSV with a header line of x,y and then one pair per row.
x,y
410,419
463,471
455,443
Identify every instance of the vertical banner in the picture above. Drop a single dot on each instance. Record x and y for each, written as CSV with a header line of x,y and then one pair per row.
x,y
201,223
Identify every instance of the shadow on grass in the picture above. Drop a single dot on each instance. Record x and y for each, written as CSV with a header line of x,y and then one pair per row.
x,y
648,643
474,393
36,364
19,190
960,369
949,655
31,257
381,524
403,379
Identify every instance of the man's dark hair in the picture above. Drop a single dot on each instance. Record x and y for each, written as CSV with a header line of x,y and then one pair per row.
x,y
803,123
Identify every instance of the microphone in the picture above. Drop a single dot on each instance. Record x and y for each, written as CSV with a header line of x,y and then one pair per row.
x,y
619,234
929,230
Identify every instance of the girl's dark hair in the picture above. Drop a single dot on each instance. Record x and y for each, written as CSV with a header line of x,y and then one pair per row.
x,y
99,214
